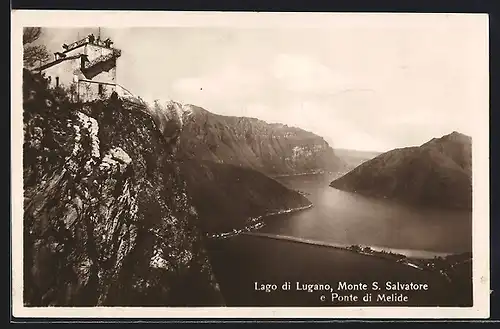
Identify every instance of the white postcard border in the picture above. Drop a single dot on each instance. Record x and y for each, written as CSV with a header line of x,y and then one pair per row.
x,y
481,259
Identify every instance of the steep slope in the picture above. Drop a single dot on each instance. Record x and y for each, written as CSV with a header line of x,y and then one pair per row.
x,y
107,220
273,149
227,196
437,173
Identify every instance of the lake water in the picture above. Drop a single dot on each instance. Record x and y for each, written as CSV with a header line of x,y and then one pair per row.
x,y
348,218
341,218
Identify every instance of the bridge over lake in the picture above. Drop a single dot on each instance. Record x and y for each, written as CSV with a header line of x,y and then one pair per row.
x,y
373,250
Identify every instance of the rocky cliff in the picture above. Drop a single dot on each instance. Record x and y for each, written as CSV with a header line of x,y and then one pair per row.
x,y
273,149
437,173
107,220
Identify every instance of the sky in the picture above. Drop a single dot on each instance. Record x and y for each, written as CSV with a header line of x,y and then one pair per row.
x,y
364,87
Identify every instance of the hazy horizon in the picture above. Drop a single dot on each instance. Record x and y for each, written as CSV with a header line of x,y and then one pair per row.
x,y
364,88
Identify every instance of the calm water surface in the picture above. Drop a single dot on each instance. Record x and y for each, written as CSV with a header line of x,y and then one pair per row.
x,y
341,218
348,218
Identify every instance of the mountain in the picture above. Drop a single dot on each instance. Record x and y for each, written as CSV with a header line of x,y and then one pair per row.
x,y
107,216
437,173
273,149
224,187
353,158
227,196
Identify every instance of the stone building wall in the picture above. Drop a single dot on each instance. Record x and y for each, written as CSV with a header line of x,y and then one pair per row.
x,y
68,74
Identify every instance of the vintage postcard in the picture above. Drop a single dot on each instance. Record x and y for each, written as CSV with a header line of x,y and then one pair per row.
x,y
242,165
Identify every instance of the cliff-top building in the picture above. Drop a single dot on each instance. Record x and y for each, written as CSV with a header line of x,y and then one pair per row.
x,y
87,67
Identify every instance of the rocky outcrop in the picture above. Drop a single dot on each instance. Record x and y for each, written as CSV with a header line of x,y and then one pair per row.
x,y
437,173
273,149
107,220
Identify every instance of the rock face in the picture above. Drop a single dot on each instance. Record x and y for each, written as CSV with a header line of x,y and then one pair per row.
x,y
227,196
437,173
107,220
273,149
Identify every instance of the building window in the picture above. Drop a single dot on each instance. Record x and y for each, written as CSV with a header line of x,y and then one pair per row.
x,y
57,82
101,89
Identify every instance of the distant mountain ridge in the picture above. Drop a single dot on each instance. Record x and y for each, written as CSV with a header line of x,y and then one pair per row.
x,y
353,158
271,148
437,173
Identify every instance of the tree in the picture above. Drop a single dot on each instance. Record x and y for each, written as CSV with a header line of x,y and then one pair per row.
x,y
33,54
31,34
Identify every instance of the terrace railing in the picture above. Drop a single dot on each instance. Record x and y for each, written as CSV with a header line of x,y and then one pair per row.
x,y
102,59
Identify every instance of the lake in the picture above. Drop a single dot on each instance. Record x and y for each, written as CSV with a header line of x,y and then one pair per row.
x,y
342,218
348,218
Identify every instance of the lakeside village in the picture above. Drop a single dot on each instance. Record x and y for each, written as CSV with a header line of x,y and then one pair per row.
x,y
442,265
254,223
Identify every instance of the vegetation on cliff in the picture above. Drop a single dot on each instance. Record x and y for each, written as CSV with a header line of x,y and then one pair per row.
x,y
107,220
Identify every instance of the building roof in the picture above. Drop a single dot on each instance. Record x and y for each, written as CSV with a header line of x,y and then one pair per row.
x,y
90,39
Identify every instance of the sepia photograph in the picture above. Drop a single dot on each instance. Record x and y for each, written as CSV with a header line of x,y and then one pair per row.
x,y
313,164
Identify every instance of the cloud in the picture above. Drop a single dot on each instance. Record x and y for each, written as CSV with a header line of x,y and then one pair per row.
x,y
298,73
318,117
292,89
283,74
229,82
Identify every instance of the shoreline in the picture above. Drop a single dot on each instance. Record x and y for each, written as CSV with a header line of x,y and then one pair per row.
x,y
255,223
440,263
301,174
434,265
